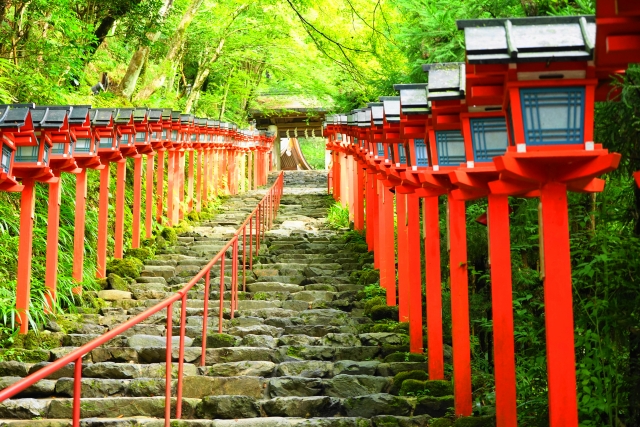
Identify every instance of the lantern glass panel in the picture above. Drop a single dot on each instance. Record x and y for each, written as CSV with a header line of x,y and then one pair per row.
x,y
421,152
6,158
106,142
490,138
83,145
380,149
402,153
174,135
450,145
58,148
124,139
164,134
553,115
45,157
193,137
390,153
27,154
141,136
339,137
203,137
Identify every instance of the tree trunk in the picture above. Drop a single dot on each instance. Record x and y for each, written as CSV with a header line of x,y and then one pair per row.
x,y
226,93
100,34
203,73
130,79
174,50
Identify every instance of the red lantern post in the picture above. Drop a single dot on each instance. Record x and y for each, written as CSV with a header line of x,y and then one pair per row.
x,y
143,146
125,132
551,86
102,122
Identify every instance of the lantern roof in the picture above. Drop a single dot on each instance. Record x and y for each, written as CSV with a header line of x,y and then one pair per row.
x,y
413,98
352,118
538,39
364,117
391,108
446,81
186,119
140,114
166,114
202,122
175,116
50,117
224,125
123,116
211,123
15,115
78,114
154,115
101,116
377,112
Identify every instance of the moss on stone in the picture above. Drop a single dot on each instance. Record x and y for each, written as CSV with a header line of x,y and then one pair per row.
x,y
475,422
117,282
169,235
142,254
220,340
383,312
439,388
193,216
403,376
441,422
34,340
374,302
411,387
24,355
364,277
129,267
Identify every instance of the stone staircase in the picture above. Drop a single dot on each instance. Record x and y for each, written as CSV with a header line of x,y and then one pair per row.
x,y
299,352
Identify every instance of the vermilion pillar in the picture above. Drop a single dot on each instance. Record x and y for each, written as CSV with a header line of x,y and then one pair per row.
x,y
370,208
377,245
148,219
160,186
459,306
387,246
199,181
215,166
53,231
250,172
563,410
170,185
79,225
415,288
25,252
359,197
181,182
103,223
137,201
403,256
121,177
431,224
190,183
502,310
336,176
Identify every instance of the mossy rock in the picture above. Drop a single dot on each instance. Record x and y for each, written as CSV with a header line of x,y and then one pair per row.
x,y
117,282
434,406
365,277
374,302
384,312
160,242
148,243
169,235
220,340
193,216
142,254
482,381
102,283
34,340
407,375
475,422
387,349
401,328
129,267
435,388
441,422
24,355
405,357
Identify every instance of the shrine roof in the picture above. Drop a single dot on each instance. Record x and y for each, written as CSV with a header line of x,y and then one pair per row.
x,y
446,81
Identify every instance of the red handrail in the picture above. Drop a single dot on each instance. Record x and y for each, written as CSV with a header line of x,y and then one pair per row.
x,y
264,214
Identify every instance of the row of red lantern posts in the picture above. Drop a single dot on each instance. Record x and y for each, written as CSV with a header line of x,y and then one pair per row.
x,y
41,142
516,118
